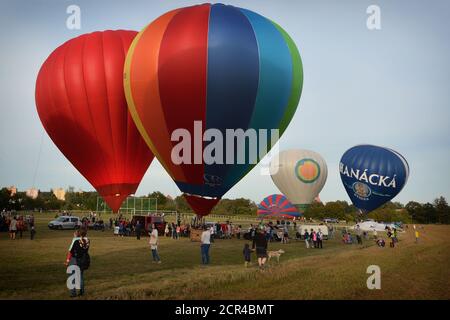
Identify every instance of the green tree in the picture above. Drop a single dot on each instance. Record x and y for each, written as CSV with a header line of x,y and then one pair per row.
x,y
442,210
161,198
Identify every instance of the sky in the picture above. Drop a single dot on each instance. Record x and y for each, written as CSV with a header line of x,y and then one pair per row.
x,y
388,87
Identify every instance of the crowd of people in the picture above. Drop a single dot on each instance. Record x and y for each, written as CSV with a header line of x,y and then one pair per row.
x,y
17,224
313,239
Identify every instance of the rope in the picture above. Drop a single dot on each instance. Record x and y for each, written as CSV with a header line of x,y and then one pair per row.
x,y
39,159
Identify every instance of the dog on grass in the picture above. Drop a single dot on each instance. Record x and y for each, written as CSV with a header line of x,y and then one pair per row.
x,y
275,254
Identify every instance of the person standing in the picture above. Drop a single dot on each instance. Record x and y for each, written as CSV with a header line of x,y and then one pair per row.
x,y
154,244
174,231
395,234
314,238
138,229
252,232
79,256
238,232
358,234
32,231
205,244
178,231
319,239
212,230
285,234
20,226
167,231
247,254
416,233
13,228
261,248
306,236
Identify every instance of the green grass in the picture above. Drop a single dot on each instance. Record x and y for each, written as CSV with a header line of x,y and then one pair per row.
x,y
121,268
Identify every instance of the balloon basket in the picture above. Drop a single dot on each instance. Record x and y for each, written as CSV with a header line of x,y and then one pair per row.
x,y
196,235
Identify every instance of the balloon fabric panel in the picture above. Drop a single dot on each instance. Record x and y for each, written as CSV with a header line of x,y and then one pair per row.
x,y
182,86
274,86
143,98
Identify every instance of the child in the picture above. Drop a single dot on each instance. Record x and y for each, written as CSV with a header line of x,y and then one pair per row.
x,y
247,252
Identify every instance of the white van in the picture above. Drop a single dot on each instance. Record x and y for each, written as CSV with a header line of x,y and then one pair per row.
x,y
65,222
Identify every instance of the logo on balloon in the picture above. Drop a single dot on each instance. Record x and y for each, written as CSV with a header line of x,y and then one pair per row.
x,y
307,170
362,191
212,181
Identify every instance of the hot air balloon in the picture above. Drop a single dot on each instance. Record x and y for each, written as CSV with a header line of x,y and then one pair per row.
x,y
300,175
82,106
211,67
372,175
277,206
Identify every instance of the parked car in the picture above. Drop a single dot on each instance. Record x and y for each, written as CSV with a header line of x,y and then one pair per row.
x,y
330,220
147,222
65,222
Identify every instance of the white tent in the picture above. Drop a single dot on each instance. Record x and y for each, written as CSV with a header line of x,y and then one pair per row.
x,y
371,225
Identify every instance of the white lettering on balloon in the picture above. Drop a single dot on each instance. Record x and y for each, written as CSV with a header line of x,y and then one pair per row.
x,y
373,179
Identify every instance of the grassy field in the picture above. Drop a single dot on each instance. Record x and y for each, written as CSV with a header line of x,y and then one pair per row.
x,y
121,268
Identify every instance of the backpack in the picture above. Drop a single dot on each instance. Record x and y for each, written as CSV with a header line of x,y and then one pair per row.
x,y
84,261
82,256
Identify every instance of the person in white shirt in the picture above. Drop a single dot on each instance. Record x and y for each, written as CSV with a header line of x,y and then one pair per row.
x,y
154,244
205,244
212,231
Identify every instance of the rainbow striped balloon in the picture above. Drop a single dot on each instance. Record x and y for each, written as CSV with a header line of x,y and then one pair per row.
x,y
277,206
226,67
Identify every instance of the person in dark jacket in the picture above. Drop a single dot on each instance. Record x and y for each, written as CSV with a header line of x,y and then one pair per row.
x,y
79,256
32,231
260,243
247,254
138,230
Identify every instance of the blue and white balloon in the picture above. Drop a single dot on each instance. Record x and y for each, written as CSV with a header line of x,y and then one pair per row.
x,y
372,175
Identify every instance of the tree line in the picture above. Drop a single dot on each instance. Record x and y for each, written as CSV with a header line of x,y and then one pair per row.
x,y
413,212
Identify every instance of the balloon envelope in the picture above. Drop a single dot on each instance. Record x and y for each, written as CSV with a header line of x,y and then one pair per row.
x,y
82,106
222,66
277,206
299,174
372,175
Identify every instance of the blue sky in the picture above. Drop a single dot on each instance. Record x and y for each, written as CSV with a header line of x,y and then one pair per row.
x,y
388,87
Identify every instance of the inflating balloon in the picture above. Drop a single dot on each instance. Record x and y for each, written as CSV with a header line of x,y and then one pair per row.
x,y
277,206
372,175
221,66
82,106
300,175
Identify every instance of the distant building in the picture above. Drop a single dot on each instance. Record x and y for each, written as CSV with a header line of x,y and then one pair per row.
x,y
12,190
32,193
59,193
